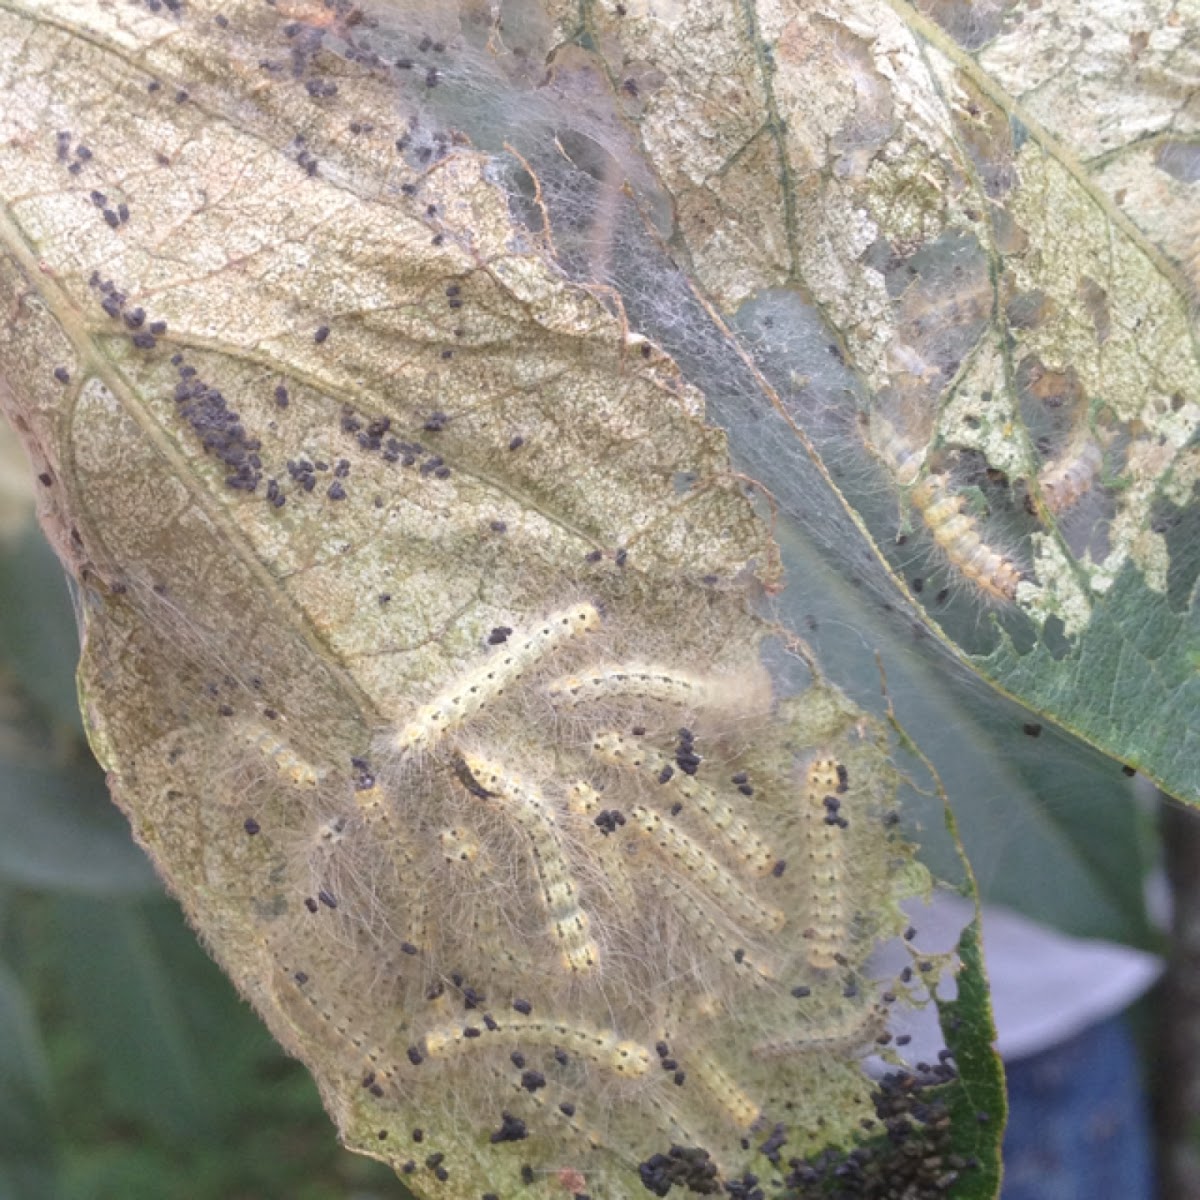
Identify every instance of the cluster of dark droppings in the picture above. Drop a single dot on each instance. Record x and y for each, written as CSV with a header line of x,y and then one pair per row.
x,y
220,430
687,1167
745,1188
74,162
512,1129
112,216
374,436
916,1160
144,334
686,758
609,820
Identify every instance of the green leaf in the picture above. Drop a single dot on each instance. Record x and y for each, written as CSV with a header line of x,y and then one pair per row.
x,y
27,1147
134,1003
63,834
38,641
1048,823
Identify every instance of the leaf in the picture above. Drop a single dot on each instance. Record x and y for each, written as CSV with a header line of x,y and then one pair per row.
x,y
1048,824
16,488
395,547
37,626
61,831
117,976
26,1152
1016,426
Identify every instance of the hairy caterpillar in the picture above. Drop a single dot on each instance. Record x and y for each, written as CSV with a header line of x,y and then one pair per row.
x,y
957,534
847,1031
465,696
269,745
741,1108
699,864
570,923
618,750
599,1046
826,931
636,681
1065,480
701,918
375,810
955,530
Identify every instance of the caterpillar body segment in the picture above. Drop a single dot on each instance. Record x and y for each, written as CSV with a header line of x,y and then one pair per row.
x,y
268,745
825,933
701,866
845,1033
956,533
583,800
747,846
699,917
899,455
465,696
599,1046
1066,480
635,681
525,803
736,1102
458,845
943,512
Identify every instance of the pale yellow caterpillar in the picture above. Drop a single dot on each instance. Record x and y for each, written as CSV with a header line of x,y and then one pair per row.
x,y
747,846
527,806
465,696
584,802
846,1032
268,744
701,866
901,456
634,681
298,982
375,809
599,1046
700,917
1065,480
944,514
826,929
736,1102
957,534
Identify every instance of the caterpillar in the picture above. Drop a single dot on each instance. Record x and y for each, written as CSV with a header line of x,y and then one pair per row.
x,y
376,812
614,748
955,530
700,916
957,534
636,681
568,920
845,1033
274,749
599,1046
465,696
826,930
584,802
699,864
1065,480
736,1102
